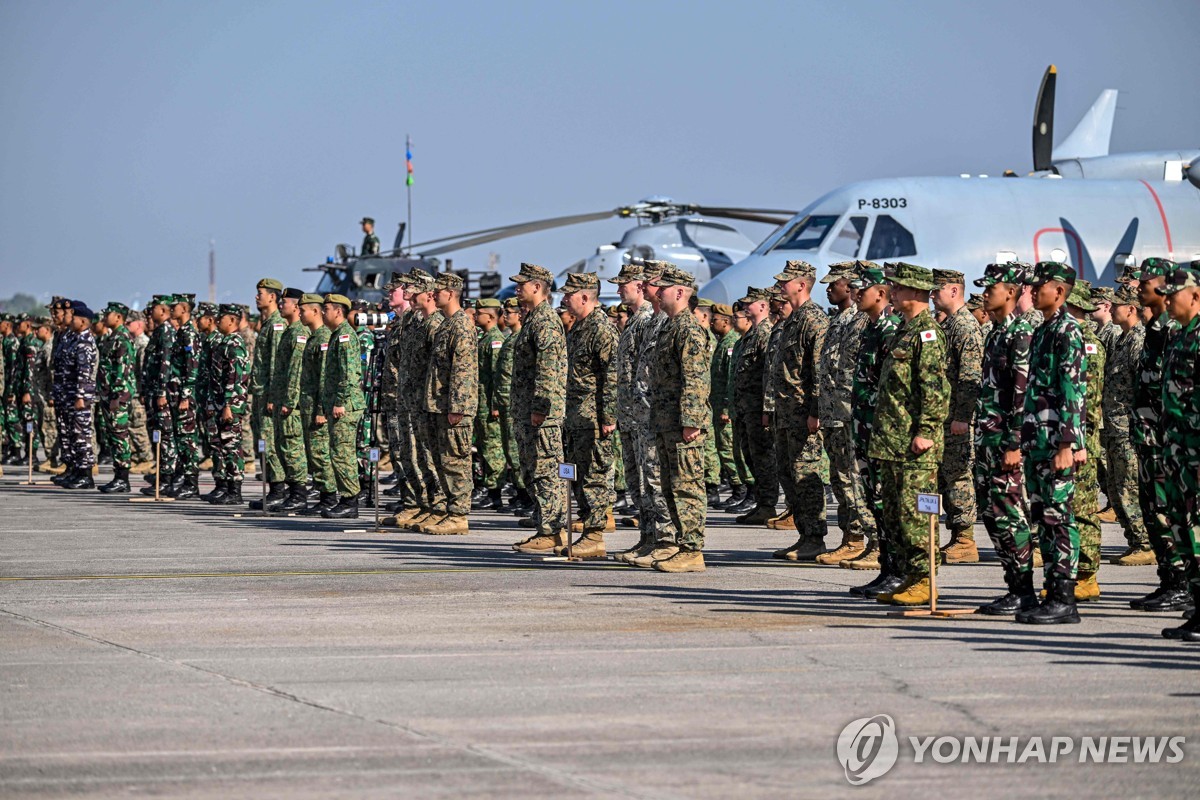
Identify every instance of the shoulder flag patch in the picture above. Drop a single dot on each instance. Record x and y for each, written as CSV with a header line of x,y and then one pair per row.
x,y
928,336
496,345
324,346
345,337
1090,349
729,351
278,326
301,339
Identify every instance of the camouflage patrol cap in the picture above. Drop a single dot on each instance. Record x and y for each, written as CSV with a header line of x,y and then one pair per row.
x,y
1182,278
338,300
674,276
974,301
206,309
776,294
1125,296
136,316
1080,297
269,283
532,272
1044,271
1156,268
397,280
292,293
842,270
184,299
579,281
911,276
155,300
114,307
512,304
614,310
416,275
1012,272
795,268
722,310
703,302
490,303
629,273
448,280
1129,273
755,296
1102,294
948,277
872,276
230,310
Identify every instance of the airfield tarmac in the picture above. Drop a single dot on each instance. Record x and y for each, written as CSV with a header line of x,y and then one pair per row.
x,y
177,650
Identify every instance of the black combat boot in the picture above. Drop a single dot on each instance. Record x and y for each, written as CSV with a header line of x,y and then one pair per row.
x,y
297,499
170,489
69,475
495,500
1190,627
218,492
1058,607
233,494
735,498
120,482
396,489
82,480
747,504
714,496
275,494
347,508
891,573
189,487
1020,596
366,497
328,500
1173,597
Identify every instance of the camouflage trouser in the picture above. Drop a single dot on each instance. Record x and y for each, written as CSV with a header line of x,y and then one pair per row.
x,y
654,515
429,494
1087,507
50,434
160,420
722,436
406,456
263,425
956,484
1183,511
14,435
712,463
871,489
116,427
629,465
99,427
490,444
541,451
31,412
741,454
592,456
1122,488
1002,500
852,514
618,473
1102,468
508,440
454,464
343,434
798,461
143,449
77,432
225,441
289,446
316,452
187,437
249,439
900,483
391,426
1051,497
758,449
683,485
1152,497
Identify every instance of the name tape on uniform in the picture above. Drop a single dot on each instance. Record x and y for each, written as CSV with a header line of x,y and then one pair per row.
x,y
929,504
566,472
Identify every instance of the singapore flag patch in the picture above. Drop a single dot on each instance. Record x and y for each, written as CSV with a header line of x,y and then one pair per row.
x,y
928,336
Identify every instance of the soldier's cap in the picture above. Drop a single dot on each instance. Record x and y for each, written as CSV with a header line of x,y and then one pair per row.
x,y
1080,297
1051,271
206,309
229,309
512,304
722,309
339,300
795,268
365,220
578,281
948,277
81,309
469,305
489,303
614,310
1130,272
842,270
1102,294
185,299
448,280
308,298
114,307
61,303
42,322
269,283
532,272
629,273
292,293
911,276
1182,278
136,316
755,296
974,301
360,305
674,276
704,302
421,286
1156,267
417,275
1125,296
1013,272
397,279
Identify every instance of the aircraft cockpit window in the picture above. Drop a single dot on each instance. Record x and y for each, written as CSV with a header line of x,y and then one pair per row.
x,y
849,239
890,240
808,233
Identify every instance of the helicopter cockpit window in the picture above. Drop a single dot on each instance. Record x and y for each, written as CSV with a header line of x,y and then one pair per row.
x,y
890,240
808,233
328,284
849,239
373,280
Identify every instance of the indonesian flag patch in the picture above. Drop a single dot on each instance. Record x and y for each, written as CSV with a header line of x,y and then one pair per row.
x,y
278,326
301,339
345,337
1090,349
324,346
928,336
497,345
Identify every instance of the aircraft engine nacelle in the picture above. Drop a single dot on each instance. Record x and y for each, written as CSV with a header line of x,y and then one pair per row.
x,y
1192,171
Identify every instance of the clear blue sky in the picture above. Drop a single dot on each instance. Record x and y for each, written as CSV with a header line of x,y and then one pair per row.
x,y
134,132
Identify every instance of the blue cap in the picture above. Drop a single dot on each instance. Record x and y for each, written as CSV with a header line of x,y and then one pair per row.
x,y
81,308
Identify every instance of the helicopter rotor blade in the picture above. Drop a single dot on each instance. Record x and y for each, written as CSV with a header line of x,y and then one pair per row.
x,y
769,216
464,240
1043,122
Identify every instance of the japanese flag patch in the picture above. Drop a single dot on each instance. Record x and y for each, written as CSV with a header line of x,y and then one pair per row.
x,y
301,339
345,337
928,336
1090,349
324,346
278,326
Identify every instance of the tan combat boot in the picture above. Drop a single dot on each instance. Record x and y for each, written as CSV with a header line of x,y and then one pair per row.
x,y
1135,557
961,549
577,526
610,523
642,547
659,553
422,518
783,522
589,545
401,518
430,521
916,594
537,545
867,559
851,547
449,525
1107,515
682,561
806,548
1086,587
1037,556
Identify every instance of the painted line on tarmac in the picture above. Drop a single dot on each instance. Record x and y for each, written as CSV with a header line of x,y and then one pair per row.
x,y
283,573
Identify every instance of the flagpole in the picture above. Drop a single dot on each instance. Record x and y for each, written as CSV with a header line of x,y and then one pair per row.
x,y
408,182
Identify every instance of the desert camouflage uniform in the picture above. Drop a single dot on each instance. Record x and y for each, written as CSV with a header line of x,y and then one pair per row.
x,y
964,342
654,516
502,400
452,387
836,368
631,412
755,441
1120,377
143,448
428,484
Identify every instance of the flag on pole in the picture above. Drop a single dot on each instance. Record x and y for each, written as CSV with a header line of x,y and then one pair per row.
x,y
408,180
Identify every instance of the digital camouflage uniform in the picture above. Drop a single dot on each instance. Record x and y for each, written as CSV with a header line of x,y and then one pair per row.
x,y
1120,379
181,387
262,378
316,437
59,388
1087,484
429,492
722,432
115,390
875,345
839,356
712,461
156,379
452,387
1107,333
654,514
29,355
632,416
365,437
756,443
284,392
1054,417
591,403
488,434
736,440
502,400
343,388
230,369
1181,442
79,381
964,350
389,390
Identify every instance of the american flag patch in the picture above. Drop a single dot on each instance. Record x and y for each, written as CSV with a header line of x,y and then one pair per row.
x,y
1090,349
345,337
324,346
278,326
301,339
928,336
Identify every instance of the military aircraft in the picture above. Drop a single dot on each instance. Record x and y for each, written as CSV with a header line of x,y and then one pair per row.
x,y
1081,205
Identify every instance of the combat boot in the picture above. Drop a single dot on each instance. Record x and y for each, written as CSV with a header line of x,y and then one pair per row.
x,y
623,504
494,501
312,494
1174,596
347,508
233,495
275,494
577,526
714,496
898,586
189,487
537,545
176,483
961,549
589,545
636,550
327,500
1107,515
366,497
1086,587
917,593
432,521
783,522
852,546
682,561
661,551
1057,608
218,492
867,559
83,480
1191,627
527,522
423,518
1136,556
401,518
296,500
120,482
449,525
883,582
806,548
748,504
1020,596
759,516
67,476
737,496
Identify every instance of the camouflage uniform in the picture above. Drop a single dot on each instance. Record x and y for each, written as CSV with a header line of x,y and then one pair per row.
x,y
10,418
185,364
591,404
1087,486
156,378
389,388
284,392
712,462
502,400
452,387
365,436
632,417
429,492
740,447
875,346
1181,440
488,434
539,387
343,388
80,360
29,353
722,432
1120,378
913,400
230,371
262,378
755,441
955,482
837,366
654,516
316,437
115,388
139,437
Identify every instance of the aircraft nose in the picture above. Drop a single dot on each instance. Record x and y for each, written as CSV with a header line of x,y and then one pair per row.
x,y
719,291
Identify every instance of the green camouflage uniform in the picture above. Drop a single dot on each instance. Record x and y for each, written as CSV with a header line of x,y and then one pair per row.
x,y
1181,445
836,369
964,349
156,374
488,434
366,423
722,432
343,388
316,437
13,431
591,403
284,392
452,387
29,354
875,346
755,442
115,389
1087,486
502,399
262,378
1120,378
185,366
230,367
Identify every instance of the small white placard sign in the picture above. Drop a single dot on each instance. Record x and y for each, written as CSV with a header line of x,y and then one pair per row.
x,y
929,504
566,472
